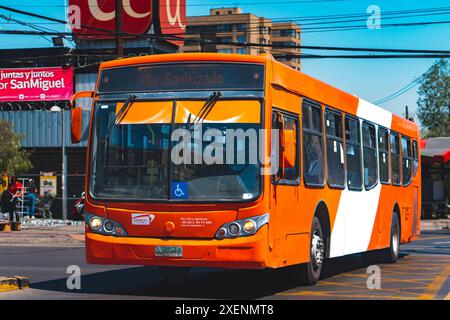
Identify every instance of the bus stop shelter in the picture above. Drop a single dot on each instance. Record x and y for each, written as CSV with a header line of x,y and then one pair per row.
x,y
435,156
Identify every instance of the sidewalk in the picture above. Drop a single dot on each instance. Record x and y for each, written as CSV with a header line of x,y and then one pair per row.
x,y
70,235
433,225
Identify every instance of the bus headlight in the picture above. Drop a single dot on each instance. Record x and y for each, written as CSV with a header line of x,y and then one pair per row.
x,y
242,228
104,226
249,226
95,223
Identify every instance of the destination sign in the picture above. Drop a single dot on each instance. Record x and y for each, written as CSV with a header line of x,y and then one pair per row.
x,y
183,77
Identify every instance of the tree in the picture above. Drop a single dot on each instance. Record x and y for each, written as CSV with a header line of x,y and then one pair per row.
x,y
434,101
13,159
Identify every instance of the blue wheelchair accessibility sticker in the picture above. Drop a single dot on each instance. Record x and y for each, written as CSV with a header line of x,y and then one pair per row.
x,y
179,190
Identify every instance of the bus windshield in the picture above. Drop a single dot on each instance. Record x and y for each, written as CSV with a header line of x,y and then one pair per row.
x,y
134,160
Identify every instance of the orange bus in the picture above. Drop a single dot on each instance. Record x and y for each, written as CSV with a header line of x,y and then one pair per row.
x,y
335,175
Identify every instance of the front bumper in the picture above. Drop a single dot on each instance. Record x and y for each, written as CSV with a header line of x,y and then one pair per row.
x,y
243,253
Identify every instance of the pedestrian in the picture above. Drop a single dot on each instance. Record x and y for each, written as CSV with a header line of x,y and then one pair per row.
x,y
31,197
13,193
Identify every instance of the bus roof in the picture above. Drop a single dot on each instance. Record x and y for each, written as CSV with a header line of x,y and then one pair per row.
x,y
176,57
289,78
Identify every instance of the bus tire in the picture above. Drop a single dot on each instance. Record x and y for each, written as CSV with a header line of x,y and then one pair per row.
x,y
390,254
174,275
309,273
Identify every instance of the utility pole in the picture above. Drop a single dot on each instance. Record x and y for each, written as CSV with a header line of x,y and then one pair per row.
x,y
119,28
63,166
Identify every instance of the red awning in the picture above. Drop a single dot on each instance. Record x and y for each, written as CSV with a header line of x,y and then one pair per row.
x,y
435,150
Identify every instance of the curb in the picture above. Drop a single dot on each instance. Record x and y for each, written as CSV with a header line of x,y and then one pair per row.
x,y
14,283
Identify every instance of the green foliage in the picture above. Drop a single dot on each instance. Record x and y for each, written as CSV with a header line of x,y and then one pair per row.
x,y
13,160
434,101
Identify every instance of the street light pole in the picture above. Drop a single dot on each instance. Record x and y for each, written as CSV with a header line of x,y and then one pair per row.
x,y
63,162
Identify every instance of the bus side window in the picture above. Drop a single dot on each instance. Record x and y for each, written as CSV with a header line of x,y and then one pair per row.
x,y
406,163
370,156
353,147
290,126
383,154
415,157
313,153
395,159
335,149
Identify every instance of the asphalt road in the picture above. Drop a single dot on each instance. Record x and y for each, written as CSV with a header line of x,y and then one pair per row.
x,y
421,273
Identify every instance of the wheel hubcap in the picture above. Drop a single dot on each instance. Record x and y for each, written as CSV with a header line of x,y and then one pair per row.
x,y
317,250
395,242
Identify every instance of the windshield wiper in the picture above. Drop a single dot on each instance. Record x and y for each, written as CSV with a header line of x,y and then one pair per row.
x,y
117,119
207,107
119,115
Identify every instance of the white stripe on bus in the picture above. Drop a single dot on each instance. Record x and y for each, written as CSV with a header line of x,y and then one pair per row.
x,y
357,210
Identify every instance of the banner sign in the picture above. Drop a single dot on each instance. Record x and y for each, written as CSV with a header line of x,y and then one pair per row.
x,y
36,84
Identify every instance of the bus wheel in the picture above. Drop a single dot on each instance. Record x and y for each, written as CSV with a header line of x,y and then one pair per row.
x,y
309,273
314,267
174,275
390,254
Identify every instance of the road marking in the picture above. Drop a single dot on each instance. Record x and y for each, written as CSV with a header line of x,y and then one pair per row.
x,y
352,296
436,285
442,242
381,291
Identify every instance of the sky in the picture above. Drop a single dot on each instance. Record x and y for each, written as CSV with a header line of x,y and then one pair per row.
x,y
370,79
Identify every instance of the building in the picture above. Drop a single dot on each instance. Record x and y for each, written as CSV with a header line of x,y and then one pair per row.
x,y
286,34
227,25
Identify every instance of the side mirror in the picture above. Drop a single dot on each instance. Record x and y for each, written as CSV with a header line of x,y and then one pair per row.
x,y
79,95
76,124
289,146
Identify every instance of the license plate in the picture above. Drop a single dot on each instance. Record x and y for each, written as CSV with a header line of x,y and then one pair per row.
x,y
165,251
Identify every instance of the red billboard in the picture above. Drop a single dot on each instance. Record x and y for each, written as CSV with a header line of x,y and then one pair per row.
x,y
169,18
172,16
36,84
137,17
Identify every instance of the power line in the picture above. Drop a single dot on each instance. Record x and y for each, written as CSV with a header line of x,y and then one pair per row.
x,y
340,28
178,35
234,4
31,25
172,37
399,92
247,44
385,16
35,15
319,17
303,20
406,88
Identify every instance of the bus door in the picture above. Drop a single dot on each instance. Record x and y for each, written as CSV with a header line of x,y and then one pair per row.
x,y
286,195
